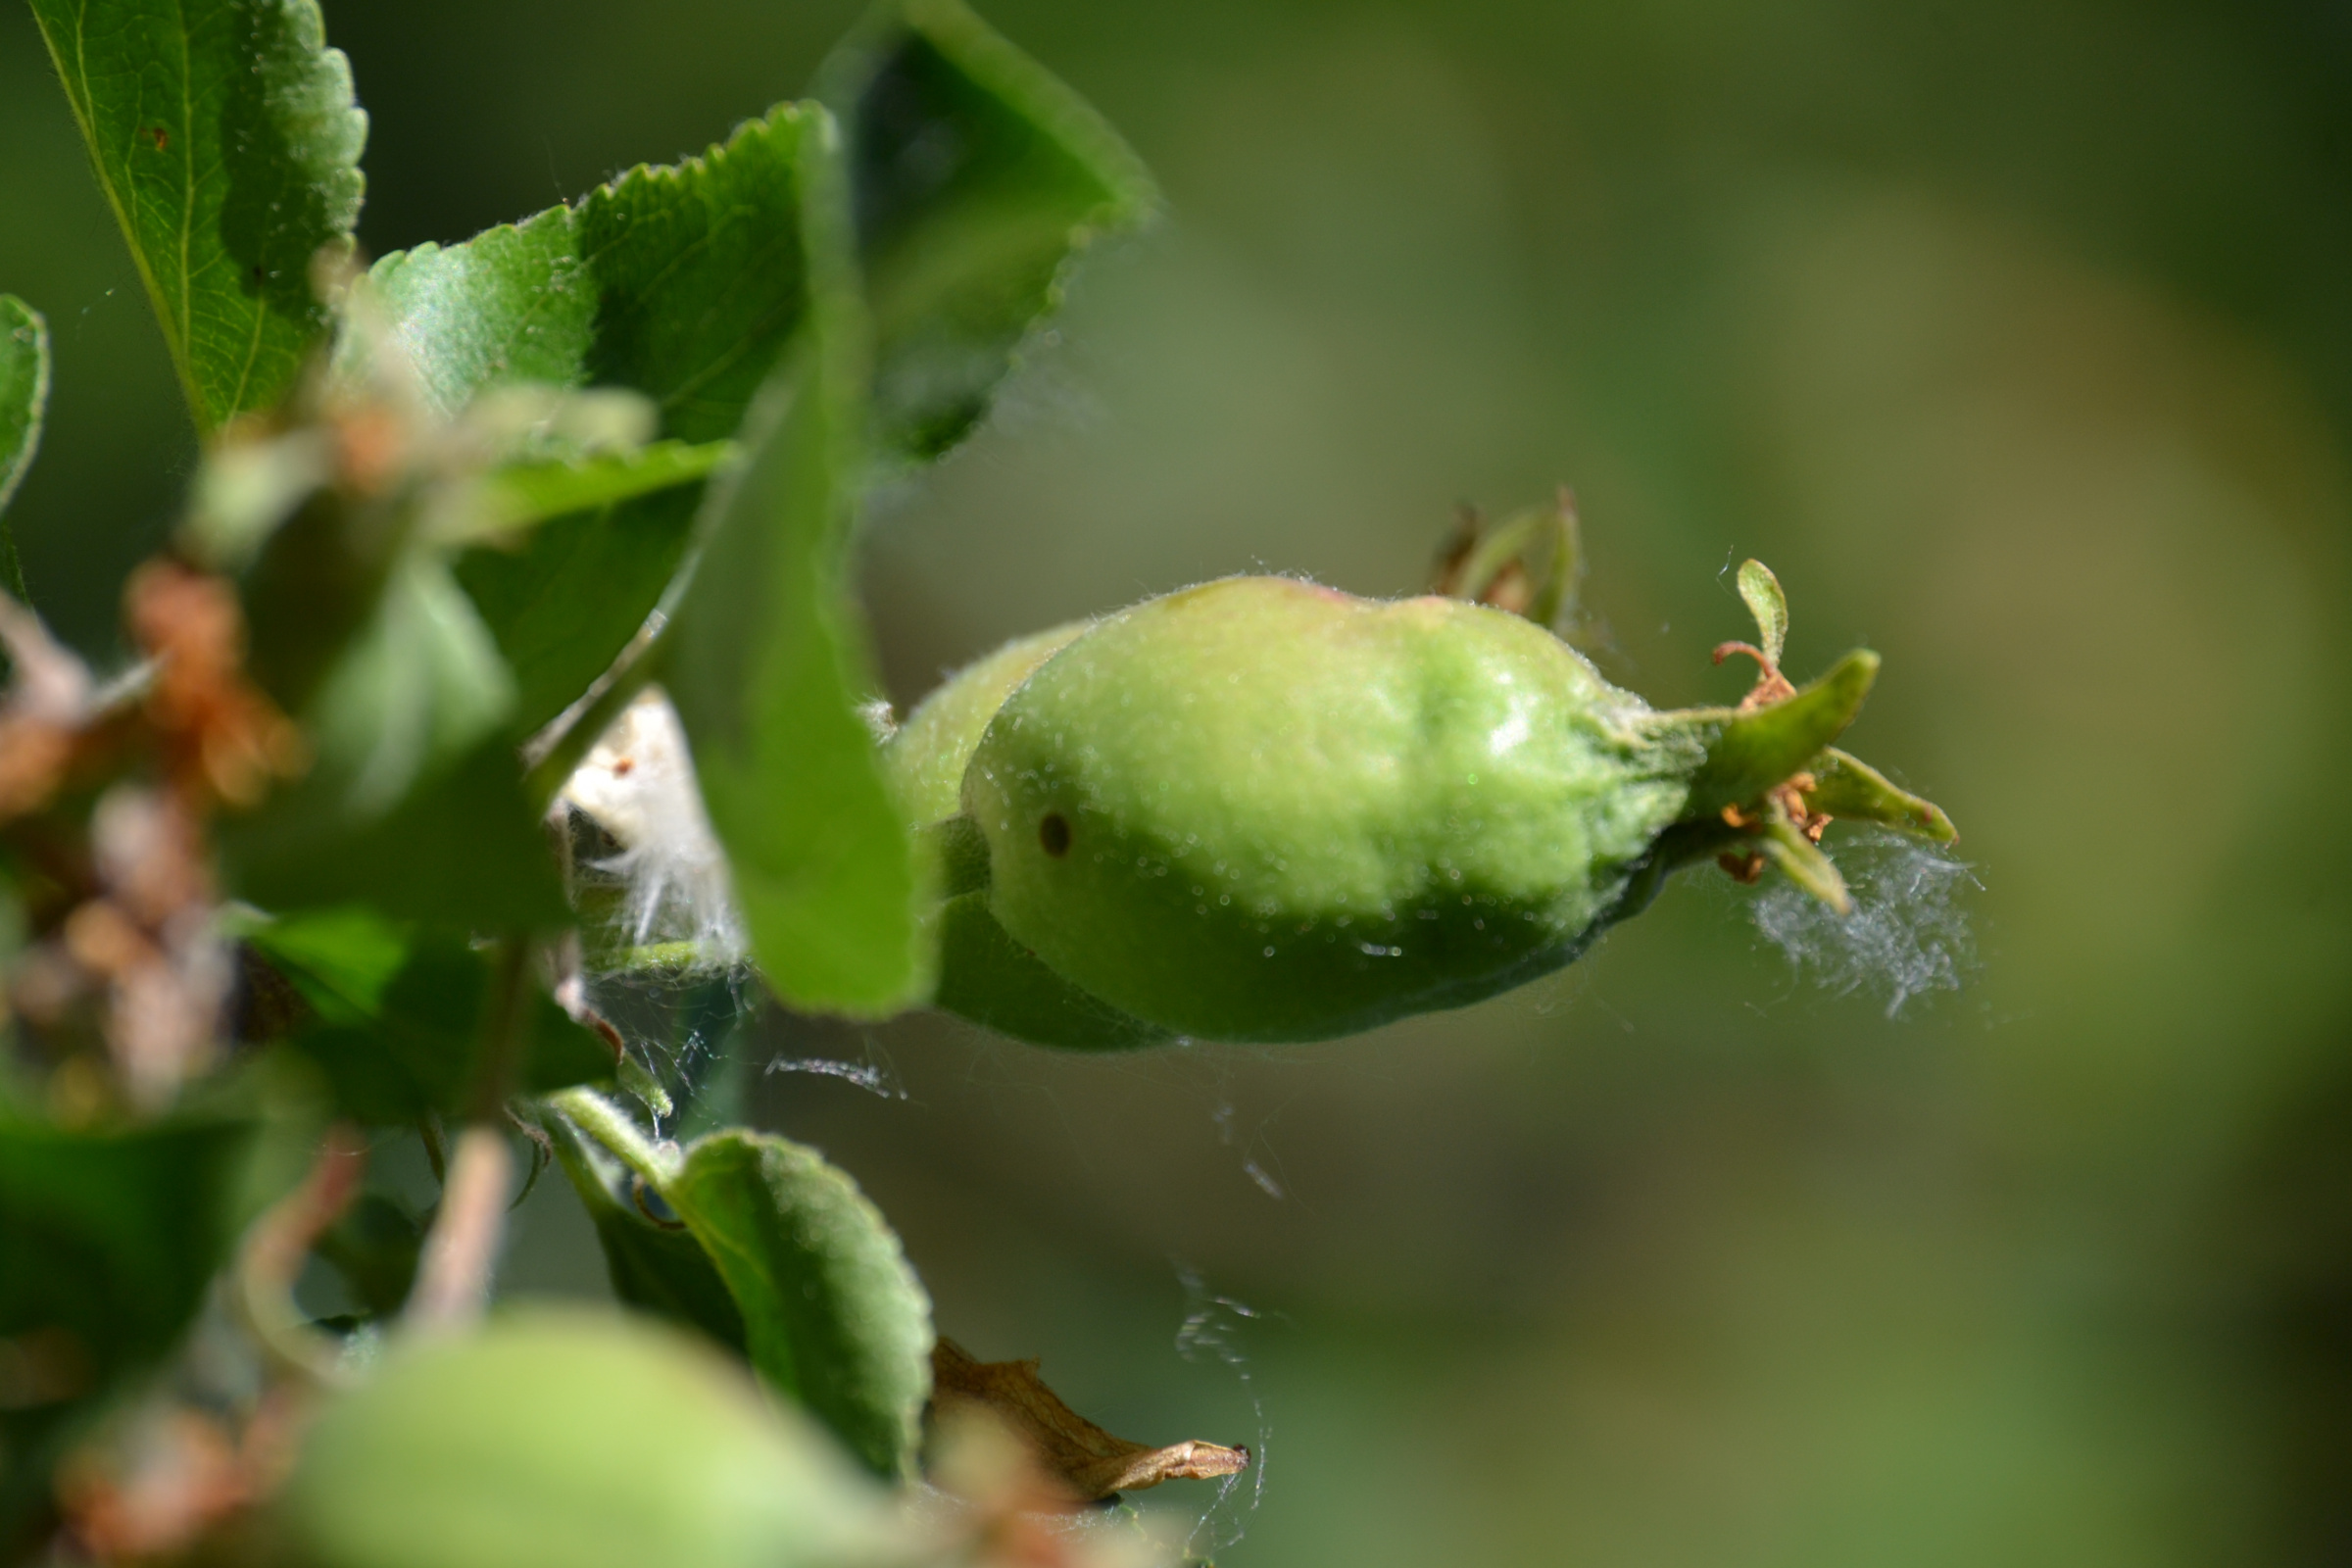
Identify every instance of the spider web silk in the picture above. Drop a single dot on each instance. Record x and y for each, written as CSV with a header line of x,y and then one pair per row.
x,y
1909,935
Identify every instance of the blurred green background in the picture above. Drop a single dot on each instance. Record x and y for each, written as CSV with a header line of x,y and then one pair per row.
x,y
2017,337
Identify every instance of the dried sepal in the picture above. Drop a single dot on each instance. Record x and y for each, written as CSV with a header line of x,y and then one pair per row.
x,y
1079,1462
1530,564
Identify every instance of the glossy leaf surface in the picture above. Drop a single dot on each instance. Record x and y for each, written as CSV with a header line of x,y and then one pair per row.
x,y
225,139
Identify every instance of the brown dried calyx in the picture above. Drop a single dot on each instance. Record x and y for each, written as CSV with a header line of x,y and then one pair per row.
x,y
1079,1459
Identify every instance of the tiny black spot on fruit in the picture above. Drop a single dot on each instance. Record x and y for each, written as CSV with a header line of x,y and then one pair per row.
x,y
1054,834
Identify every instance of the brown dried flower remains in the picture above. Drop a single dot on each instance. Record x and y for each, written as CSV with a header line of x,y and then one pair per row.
x,y
104,799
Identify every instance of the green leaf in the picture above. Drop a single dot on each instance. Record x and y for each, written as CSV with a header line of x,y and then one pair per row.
x,y
766,666
658,1267
419,687
107,1244
1761,592
577,1437
831,1313
978,179
683,282
400,1015
224,137
23,396
466,849
566,604
513,304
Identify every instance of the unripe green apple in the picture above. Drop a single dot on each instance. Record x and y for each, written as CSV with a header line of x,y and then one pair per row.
x,y
1266,810
983,975
1263,810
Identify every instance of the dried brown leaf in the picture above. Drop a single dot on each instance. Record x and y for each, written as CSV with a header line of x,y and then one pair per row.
x,y
1070,1449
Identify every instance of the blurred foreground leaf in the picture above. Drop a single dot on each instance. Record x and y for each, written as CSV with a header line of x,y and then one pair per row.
x,y
225,139
525,493
829,1310
978,178
23,396
107,1244
575,1439
765,665
466,849
414,798
399,1014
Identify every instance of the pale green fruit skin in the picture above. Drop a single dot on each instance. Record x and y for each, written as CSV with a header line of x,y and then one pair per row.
x,y
983,975
924,761
1291,813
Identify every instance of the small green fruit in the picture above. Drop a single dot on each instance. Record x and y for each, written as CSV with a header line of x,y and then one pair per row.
x,y
584,1438
983,975
1262,810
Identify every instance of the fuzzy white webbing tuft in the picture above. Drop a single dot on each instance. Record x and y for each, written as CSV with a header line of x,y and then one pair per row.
x,y
637,783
